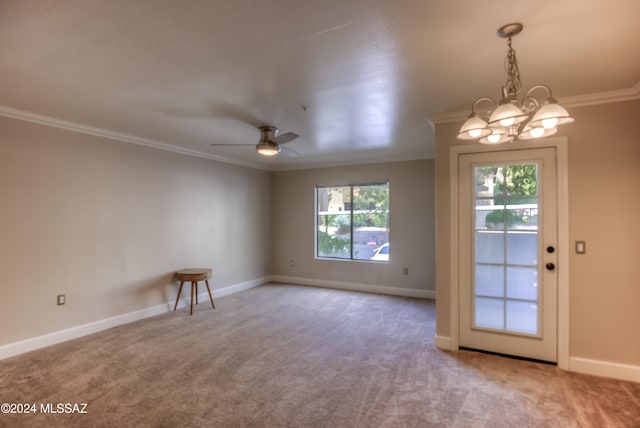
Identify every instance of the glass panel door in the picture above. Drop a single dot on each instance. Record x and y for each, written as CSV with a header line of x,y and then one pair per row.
x,y
506,248
507,220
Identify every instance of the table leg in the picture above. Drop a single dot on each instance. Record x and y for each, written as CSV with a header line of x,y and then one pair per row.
x,y
210,296
191,310
196,283
178,298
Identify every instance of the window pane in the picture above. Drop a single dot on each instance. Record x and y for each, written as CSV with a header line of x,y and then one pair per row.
x,y
371,198
334,199
371,222
334,235
369,239
353,222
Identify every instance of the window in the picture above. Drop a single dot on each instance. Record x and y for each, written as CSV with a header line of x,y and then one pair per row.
x,y
352,221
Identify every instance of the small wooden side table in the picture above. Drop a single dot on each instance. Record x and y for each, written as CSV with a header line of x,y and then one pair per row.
x,y
193,275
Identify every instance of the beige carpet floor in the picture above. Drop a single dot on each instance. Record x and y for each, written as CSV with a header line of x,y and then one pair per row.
x,y
292,356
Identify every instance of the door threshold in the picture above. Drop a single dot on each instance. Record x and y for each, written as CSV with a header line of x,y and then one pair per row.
x,y
513,357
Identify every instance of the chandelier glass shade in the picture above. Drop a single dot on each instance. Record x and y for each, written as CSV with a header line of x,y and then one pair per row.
x,y
474,128
504,118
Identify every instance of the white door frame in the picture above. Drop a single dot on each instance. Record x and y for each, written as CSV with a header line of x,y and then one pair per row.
x,y
561,146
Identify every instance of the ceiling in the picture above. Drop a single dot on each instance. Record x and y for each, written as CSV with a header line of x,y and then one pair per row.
x,y
358,80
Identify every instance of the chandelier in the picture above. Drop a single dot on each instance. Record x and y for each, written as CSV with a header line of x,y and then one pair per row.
x,y
504,119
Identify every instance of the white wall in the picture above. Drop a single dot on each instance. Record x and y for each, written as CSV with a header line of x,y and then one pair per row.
x,y
107,223
412,233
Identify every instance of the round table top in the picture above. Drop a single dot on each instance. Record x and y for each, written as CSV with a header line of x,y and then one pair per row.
x,y
193,274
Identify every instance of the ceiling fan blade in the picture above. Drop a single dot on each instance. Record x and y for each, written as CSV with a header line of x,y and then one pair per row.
x,y
230,111
288,152
285,138
231,145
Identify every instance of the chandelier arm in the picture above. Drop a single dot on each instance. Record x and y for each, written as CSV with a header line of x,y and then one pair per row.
x,y
479,100
530,104
545,87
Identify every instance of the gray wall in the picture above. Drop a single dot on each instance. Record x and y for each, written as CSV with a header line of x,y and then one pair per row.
x,y
412,225
107,223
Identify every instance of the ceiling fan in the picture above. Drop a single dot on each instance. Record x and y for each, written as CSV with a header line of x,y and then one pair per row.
x,y
270,143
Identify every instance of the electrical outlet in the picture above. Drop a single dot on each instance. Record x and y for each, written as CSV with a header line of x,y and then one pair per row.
x,y
292,263
61,299
405,271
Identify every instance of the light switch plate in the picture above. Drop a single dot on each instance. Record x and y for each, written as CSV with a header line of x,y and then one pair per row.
x,y
581,247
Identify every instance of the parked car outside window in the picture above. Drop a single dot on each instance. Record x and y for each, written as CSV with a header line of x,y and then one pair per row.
x,y
381,253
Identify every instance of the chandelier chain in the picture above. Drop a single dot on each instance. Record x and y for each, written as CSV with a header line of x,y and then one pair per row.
x,y
513,84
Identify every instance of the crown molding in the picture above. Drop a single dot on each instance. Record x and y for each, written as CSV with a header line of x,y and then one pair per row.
x,y
618,95
337,163
105,133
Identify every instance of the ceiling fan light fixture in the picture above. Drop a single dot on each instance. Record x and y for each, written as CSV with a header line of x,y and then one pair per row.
x,y
268,148
269,144
505,120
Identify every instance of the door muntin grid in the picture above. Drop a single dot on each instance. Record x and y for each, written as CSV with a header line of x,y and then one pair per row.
x,y
506,291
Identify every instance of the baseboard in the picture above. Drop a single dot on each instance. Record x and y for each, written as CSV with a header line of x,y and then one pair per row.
x,y
203,296
353,286
605,368
16,348
445,343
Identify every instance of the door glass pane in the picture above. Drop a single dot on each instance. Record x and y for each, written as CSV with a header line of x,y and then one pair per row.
x,y
489,313
489,280
506,248
489,247
522,248
522,316
522,217
488,217
522,283
485,177
520,180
